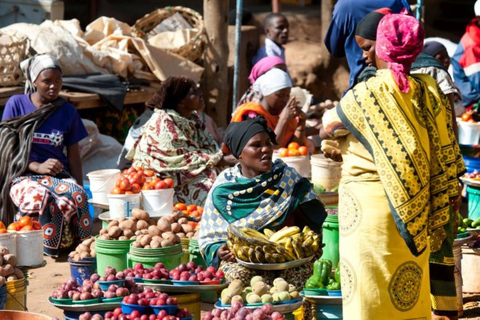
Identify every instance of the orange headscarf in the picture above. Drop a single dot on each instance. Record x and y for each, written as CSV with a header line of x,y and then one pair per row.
x,y
272,121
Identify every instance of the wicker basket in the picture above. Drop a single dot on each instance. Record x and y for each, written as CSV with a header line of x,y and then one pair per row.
x,y
193,50
12,51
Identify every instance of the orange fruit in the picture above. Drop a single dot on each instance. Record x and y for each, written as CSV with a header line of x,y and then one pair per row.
x,y
191,208
36,225
200,210
129,192
25,221
160,185
13,226
180,206
136,188
2,226
466,117
303,150
293,153
117,191
169,182
283,152
293,145
3,231
148,173
27,228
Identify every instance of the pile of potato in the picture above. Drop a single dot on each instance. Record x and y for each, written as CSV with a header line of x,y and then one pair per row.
x,y
86,249
8,270
148,233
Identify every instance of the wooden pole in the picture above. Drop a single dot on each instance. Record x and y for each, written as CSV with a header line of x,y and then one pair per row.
x,y
276,7
215,14
326,15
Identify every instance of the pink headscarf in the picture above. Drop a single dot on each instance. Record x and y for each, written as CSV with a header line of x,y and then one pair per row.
x,y
399,42
263,65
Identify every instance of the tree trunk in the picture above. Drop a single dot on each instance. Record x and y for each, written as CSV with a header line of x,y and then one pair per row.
x,y
216,60
326,15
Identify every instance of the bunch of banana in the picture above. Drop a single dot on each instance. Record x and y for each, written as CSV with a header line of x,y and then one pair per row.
x,y
287,244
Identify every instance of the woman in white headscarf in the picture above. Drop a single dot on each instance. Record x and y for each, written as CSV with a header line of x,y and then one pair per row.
x,y
283,115
40,133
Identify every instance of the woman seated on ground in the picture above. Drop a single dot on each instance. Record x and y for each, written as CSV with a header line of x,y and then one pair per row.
x,y
175,143
283,114
259,182
47,183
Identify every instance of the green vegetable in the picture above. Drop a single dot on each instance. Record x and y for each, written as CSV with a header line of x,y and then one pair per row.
x,y
319,189
333,286
325,271
315,281
337,275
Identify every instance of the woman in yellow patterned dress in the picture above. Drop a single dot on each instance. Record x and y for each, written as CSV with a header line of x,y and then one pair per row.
x,y
401,163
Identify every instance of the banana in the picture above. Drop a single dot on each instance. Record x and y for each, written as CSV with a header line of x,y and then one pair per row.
x,y
307,243
306,229
259,255
278,258
253,233
268,232
269,257
290,231
242,254
297,247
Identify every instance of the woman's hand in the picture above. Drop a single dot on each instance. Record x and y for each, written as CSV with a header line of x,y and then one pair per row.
x,y
227,160
225,255
51,167
291,110
331,150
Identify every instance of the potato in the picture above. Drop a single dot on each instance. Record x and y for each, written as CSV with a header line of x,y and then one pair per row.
x,y
105,237
113,223
154,231
82,248
128,233
114,232
147,247
122,238
157,238
84,255
88,241
2,272
76,257
181,235
154,244
138,232
133,238
8,269
140,214
72,254
144,231
166,243
182,221
121,219
128,225
4,250
136,244
187,228
12,278
142,225
177,215
103,231
176,227
176,239
2,281
18,273
92,246
164,225
145,240
190,235
93,253
168,218
167,235
10,259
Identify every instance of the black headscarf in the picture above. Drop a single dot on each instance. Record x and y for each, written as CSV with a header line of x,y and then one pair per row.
x,y
367,27
238,134
433,47
171,92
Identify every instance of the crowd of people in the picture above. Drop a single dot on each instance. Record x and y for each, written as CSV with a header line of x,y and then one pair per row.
x,y
394,127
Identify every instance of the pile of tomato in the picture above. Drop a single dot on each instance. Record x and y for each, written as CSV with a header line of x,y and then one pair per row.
x,y
134,180
469,117
25,223
293,150
191,210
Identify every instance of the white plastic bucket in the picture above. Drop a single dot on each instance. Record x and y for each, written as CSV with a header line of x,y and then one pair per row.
x,y
470,274
468,132
121,205
457,254
300,164
101,182
30,248
158,203
325,172
9,240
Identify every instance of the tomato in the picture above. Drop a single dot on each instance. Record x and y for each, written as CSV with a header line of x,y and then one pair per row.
x,y
466,117
148,187
191,208
117,183
3,231
131,170
169,182
125,185
283,152
160,185
303,150
2,226
193,213
136,188
471,121
25,221
117,191
293,153
129,192
27,228
13,226
200,210
293,145
148,173
155,180
180,206
36,225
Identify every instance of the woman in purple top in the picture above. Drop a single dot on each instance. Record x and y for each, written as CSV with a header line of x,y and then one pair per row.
x,y
51,186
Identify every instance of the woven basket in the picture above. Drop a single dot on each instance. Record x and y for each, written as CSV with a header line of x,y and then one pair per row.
x,y
12,51
193,50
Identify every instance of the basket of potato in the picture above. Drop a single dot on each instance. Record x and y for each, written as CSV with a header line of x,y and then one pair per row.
x,y
8,270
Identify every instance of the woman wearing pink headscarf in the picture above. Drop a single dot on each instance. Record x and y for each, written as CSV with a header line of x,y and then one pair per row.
x,y
400,167
261,67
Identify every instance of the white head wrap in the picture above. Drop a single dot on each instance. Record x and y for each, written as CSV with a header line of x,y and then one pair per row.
x,y
33,66
272,81
477,8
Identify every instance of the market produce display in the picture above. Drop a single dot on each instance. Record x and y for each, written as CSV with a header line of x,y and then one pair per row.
x,y
259,292
147,232
86,249
117,314
293,150
287,244
475,174
192,211
238,311
25,223
8,269
467,223
472,117
134,180
322,276
191,272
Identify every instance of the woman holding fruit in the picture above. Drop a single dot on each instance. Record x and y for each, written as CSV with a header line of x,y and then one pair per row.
x,y
46,182
175,144
283,115
256,193
400,167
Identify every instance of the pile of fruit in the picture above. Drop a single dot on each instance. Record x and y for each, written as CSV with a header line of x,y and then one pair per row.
x,y
464,223
8,269
25,223
158,272
192,272
86,249
192,211
475,174
322,277
117,314
287,244
470,117
259,292
293,150
134,180
148,233
238,311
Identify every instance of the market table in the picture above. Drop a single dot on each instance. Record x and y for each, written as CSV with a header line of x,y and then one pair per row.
x,y
83,100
